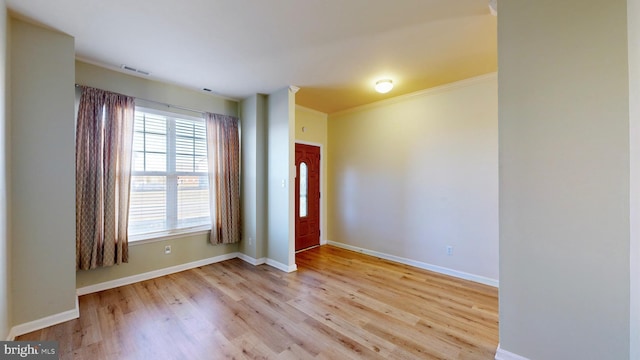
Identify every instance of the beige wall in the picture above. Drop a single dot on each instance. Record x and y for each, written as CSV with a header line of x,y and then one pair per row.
x,y
280,176
564,179
150,256
5,250
311,128
633,8
106,79
145,257
254,159
411,176
249,124
42,172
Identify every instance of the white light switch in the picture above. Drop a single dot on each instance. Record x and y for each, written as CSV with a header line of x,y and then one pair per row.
x,y
284,183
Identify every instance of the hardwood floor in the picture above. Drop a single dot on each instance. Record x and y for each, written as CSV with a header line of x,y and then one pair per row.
x,y
338,305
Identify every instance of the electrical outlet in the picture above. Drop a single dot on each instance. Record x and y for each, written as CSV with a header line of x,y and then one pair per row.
x,y
167,249
449,250
250,241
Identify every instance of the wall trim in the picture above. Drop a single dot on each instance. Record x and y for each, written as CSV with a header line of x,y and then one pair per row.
x,y
44,322
310,110
282,267
111,284
425,92
419,264
75,313
152,274
253,261
502,354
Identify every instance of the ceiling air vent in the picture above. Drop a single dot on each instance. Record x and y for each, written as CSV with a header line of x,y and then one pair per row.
x,y
129,68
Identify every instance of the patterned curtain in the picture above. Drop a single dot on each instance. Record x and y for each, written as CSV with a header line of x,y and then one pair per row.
x,y
223,156
104,135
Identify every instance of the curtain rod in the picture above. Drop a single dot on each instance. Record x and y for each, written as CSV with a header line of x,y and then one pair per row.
x,y
163,104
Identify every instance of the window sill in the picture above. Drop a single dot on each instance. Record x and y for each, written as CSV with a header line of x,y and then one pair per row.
x,y
167,235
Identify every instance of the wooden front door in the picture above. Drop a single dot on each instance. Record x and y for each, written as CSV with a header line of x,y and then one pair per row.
x,y
307,196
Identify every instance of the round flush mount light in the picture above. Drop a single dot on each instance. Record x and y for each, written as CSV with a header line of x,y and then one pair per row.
x,y
384,86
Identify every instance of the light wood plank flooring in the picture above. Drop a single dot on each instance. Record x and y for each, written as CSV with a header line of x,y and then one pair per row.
x,y
338,305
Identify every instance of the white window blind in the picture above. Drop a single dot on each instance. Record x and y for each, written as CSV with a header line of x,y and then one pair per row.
x,y
169,182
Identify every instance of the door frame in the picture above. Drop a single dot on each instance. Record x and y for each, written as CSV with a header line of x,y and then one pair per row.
x,y
323,230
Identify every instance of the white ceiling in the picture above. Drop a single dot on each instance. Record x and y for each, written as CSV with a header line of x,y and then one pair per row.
x,y
334,50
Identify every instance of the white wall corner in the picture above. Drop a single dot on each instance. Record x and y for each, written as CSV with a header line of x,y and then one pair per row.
x,y
282,267
39,324
502,354
252,261
633,33
493,7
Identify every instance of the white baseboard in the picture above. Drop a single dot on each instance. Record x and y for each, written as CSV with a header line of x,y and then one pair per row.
x,y
75,313
276,264
182,267
44,322
152,274
25,328
502,354
282,267
419,264
252,261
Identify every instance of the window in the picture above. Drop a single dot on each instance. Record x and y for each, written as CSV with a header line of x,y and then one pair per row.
x,y
169,182
303,190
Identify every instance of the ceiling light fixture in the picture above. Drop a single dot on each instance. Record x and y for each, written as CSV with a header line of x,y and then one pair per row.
x,y
384,86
